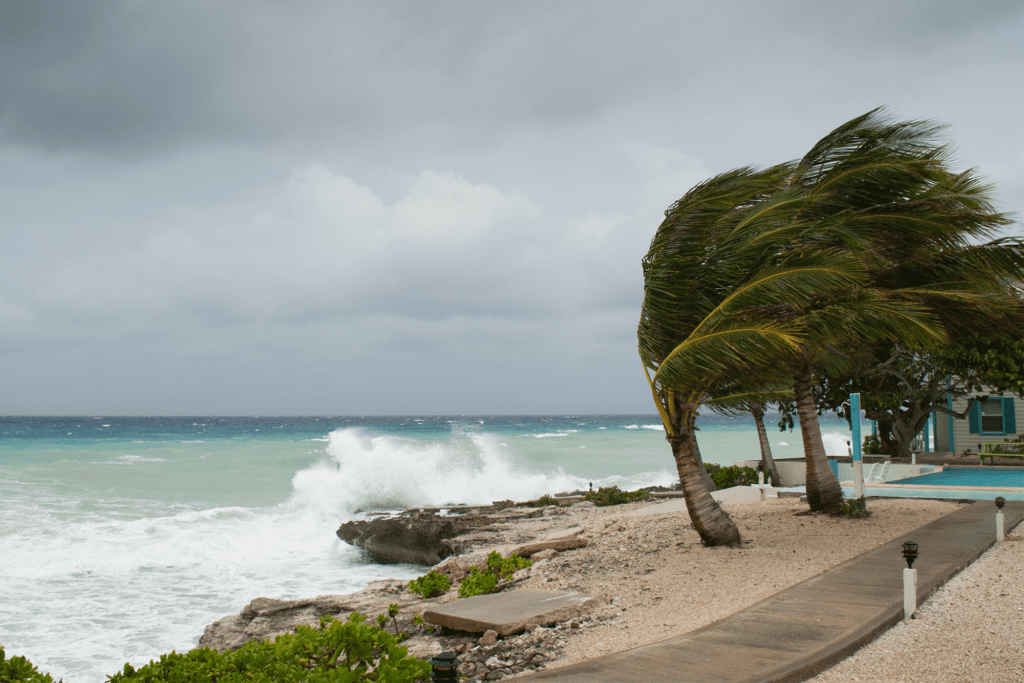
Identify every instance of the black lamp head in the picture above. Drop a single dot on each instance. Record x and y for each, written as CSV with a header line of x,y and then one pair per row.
x,y
910,553
443,667
1000,502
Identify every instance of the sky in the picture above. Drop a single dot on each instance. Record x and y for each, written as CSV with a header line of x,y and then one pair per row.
x,y
385,207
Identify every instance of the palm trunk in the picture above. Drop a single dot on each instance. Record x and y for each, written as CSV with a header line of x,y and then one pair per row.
x,y
767,462
708,481
823,491
714,526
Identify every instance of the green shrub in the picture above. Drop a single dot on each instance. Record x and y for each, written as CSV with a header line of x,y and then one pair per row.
x,y
20,670
727,477
611,495
505,567
855,507
873,445
485,580
477,583
337,651
430,585
546,500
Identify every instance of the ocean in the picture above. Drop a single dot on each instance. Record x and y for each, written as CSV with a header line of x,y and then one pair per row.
x,y
121,538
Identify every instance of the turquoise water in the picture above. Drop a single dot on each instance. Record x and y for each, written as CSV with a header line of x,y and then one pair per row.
x,y
973,476
122,538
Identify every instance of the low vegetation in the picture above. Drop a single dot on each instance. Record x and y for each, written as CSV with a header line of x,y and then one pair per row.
x,y
611,495
349,651
484,581
430,585
20,670
727,477
854,507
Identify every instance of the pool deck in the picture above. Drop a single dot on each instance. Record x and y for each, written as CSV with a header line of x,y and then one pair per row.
x,y
803,630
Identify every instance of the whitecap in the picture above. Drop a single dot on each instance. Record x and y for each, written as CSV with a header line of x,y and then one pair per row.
x,y
139,458
631,426
657,427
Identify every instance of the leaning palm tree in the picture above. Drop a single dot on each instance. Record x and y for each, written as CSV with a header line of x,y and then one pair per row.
x,y
702,279
888,194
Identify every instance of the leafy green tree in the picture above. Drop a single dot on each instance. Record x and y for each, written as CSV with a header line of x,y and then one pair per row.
x,y
722,251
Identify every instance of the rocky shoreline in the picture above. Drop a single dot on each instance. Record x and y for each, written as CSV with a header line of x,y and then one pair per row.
x,y
644,562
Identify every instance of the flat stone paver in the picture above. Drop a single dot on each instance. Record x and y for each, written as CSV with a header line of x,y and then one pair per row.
x,y
510,612
801,631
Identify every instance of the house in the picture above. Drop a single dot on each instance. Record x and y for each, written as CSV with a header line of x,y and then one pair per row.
x,y
993,419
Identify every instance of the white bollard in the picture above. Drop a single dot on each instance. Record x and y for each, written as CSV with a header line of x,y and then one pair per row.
x,y
858,478
760,483
1000,527
909,592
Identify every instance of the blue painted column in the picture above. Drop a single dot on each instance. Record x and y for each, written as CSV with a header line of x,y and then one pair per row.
x,y
855,424
858,463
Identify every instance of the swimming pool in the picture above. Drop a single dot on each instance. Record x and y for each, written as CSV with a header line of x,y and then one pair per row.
x,y
956,483
995,477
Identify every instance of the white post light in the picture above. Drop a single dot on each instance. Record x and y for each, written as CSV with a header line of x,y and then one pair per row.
x,y
858,464
1000,520
760,483
909,580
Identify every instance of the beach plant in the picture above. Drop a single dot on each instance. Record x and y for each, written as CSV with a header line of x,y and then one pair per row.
x,y
856,508
478,583
485,580
729,476
546,500
430,585
348,651
19,670
611,495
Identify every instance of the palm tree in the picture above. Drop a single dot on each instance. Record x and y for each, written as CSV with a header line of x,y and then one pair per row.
x,y
701,281
888,192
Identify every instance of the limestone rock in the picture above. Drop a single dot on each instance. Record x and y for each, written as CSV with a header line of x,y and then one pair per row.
x,y
489,637
547,554
419,538
265,618
559,544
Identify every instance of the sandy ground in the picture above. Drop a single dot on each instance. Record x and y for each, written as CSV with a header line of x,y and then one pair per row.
x,y
661,582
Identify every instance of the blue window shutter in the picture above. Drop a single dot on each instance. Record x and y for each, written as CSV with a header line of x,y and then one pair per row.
x,y
974,418
1009,417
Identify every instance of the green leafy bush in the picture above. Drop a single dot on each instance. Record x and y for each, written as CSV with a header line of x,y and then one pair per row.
x,y
430,585
873,445
855,507
611,495
546,500
727,477
483,581
477,583
20,670
337,651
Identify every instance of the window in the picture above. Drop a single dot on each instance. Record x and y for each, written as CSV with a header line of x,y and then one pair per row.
x,y
992,416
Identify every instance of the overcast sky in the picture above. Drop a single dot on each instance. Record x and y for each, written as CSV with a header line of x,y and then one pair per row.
x,y
383,207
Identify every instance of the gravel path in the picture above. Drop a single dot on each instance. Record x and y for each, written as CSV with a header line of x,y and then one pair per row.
x,y
970,631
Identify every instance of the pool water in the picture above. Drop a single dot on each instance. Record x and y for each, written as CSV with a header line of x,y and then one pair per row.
x,y
998,477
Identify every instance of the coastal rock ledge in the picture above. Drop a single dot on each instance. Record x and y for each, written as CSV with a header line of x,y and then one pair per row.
x,y
417,538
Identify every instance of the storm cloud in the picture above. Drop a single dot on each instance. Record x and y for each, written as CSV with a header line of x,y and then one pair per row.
x,y
404,207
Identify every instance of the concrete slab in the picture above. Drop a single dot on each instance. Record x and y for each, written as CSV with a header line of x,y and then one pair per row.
x,y
511,612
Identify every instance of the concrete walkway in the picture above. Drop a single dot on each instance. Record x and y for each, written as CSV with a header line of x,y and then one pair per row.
x,y
805,629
